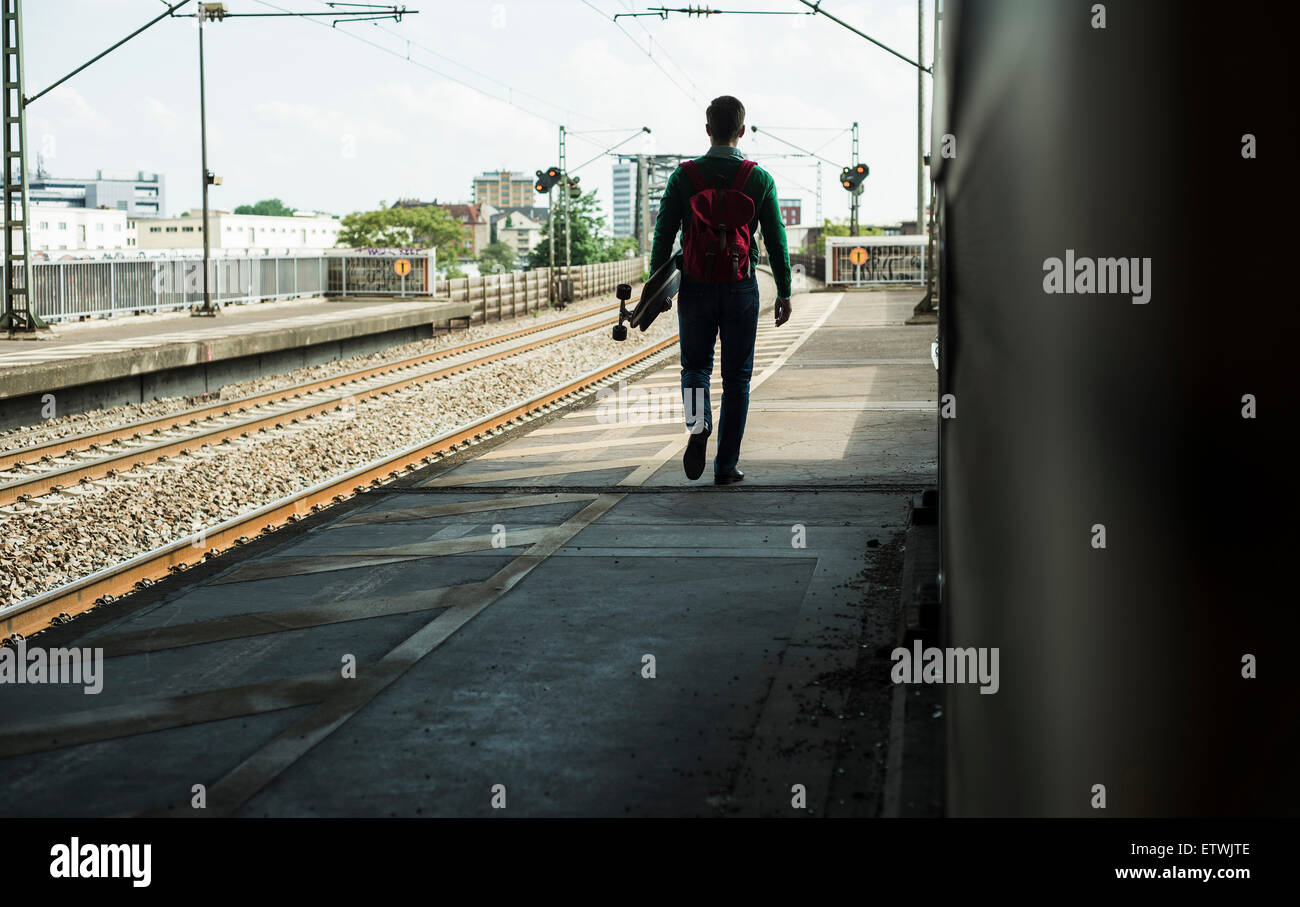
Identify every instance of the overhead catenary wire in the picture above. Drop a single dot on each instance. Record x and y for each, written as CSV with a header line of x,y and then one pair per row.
x,y
816,8
617,25
785,179
704,12
650,38
425,66
643,129
171,9
836,137
808,128
816,151
764,131
510,88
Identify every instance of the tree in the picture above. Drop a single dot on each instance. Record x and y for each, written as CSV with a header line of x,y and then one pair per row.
x,y
428,227
588,242
498,256
271,207
831,228
585,242
618,249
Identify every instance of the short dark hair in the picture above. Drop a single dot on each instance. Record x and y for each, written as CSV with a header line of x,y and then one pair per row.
x,y
726,116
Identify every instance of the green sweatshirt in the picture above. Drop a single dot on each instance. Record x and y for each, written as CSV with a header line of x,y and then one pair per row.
x,y
760,187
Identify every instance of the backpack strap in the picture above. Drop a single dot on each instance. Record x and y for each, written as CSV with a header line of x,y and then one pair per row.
x,y
696,177
742,175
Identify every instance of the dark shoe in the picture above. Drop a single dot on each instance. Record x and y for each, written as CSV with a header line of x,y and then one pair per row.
x,y
730,477
693,459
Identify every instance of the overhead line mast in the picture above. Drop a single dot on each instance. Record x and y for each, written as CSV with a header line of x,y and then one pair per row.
x,y
22,317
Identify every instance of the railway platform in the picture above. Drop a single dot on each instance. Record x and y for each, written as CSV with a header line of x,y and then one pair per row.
x,y
554,622
91,365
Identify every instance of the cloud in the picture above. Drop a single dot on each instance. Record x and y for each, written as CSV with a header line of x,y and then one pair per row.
x,y
164,120
324,121
66,107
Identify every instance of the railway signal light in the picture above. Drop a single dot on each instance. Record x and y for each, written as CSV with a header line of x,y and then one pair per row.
x,y
574,191
851,177
546,179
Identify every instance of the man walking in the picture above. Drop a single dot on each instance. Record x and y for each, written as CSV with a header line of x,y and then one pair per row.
x,y
718,201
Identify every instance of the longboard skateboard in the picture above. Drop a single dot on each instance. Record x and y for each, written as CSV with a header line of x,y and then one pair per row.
x,y
656,297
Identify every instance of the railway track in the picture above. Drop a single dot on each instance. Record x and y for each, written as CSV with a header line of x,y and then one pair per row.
x,y
102,453
61,604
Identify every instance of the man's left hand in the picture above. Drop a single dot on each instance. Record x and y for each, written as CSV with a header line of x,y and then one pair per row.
x,y
782,311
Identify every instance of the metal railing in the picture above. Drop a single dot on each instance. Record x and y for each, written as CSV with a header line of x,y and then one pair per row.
x,y
498,296
858,261
71,290
377,275
813,266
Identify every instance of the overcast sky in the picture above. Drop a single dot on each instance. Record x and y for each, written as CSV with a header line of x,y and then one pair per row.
x,y
310,114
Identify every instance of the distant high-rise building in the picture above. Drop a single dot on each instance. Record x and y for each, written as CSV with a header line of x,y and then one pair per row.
x,y
136,192
505,189
791,211
624,200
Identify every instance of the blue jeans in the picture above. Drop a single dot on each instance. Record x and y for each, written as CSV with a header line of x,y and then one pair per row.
x,y
705,311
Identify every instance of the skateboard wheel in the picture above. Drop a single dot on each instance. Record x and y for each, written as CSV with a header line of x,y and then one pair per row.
x,y
623,291
620,332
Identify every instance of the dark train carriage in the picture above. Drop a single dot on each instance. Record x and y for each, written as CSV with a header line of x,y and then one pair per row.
x,y
1114,519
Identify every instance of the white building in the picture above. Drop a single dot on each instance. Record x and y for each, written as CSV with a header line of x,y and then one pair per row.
x,y
796,237
241,233
520,228
54,228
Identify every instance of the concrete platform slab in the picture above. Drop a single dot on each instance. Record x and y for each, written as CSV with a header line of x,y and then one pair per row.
x,y
140,358
635,645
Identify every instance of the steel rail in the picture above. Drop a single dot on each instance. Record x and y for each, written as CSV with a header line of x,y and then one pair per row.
x,y
64,446
58,605
41,483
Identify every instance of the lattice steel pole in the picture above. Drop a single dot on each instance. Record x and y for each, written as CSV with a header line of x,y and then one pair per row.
x,y
819,195
568,219
550,241
643,205
16,316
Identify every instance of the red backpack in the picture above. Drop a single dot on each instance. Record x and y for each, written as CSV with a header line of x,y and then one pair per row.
x,y
716,242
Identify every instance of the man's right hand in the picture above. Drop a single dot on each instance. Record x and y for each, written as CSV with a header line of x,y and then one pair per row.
x,y
782,311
